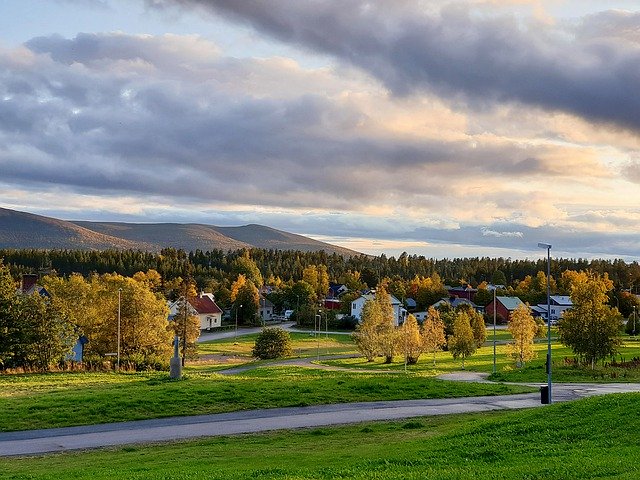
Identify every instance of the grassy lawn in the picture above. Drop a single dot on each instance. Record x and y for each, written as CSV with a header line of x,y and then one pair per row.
x,y
64,399
563,369
304,345
579,440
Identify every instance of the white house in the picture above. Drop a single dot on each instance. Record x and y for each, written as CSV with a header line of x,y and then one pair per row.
x,y
399,312
558,303
204,307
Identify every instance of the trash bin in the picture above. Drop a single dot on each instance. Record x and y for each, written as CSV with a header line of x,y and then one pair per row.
x,y
544,394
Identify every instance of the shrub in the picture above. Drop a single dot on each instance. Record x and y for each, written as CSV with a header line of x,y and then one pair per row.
x,y
272,343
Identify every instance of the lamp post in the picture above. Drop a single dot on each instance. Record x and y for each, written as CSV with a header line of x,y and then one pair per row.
x,y
634,320
494,329
119,304
318,322
548,248
236,332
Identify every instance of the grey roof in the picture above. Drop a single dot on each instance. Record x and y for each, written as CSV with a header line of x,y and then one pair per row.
x,y
561,299
510,303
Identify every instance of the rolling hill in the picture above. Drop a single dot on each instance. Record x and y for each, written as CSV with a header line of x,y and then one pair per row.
x,y
26,230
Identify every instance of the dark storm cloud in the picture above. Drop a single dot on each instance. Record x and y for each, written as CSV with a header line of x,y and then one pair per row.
x,y
76,117
469,57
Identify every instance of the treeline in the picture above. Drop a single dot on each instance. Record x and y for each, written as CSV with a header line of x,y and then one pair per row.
x,y
289,265
112,316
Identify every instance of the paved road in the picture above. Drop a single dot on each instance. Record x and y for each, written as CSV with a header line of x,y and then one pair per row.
x,y
35,442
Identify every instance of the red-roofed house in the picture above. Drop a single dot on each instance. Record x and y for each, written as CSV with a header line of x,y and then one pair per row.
x,y
204,307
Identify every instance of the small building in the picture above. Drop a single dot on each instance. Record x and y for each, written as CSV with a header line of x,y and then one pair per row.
x,y
266,309
399,312
558,303
503,307
204,307
411,304
456,302
336,289
467,292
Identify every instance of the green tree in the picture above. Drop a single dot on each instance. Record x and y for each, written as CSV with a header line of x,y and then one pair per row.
x,y
244,265
433,336
523,329
93,308
247,303
462,344
8,327
273,342
591,328
483,296
46,335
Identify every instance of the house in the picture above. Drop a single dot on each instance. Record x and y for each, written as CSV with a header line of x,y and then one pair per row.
x,y
331,303
204,307
399,312
503,307
467,292
455,302
558,303
411,304
29,285
336,289
420,316
266,309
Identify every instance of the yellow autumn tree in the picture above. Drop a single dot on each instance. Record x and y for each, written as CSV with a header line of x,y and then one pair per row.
x,y
433,337
410,341
523,329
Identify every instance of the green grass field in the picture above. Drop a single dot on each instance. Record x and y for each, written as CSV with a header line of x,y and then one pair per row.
x,y
586,439
64,399
304,345
563,368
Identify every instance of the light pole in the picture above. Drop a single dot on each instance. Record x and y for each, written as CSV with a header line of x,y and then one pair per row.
x,y
494,329
634,320
235,336
548,247
318,322
119,304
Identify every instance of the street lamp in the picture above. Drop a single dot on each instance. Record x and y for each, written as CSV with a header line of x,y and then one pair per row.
x,y
548,248
119,303
494,329
235,336
318,322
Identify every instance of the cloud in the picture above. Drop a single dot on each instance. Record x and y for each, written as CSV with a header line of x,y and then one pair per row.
x,y
170,128
487,232
414,46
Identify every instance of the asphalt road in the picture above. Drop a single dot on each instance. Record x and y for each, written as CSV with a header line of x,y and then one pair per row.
x,y
34,442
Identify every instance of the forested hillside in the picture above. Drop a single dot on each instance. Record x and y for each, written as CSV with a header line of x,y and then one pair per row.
x,y
289,265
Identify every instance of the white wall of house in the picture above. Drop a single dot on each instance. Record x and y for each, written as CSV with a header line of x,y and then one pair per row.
x,y
210,320
399,312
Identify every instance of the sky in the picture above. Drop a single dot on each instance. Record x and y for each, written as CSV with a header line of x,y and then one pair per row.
x,y
440,128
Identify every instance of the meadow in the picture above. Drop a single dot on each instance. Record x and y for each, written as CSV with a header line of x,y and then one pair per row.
x,y
578,440
30,401
66,399
564,368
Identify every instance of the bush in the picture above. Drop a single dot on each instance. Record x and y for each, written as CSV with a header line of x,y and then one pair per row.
x,y
272,343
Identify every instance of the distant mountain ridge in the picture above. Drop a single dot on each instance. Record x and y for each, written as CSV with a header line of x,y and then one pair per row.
x,y
27,230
